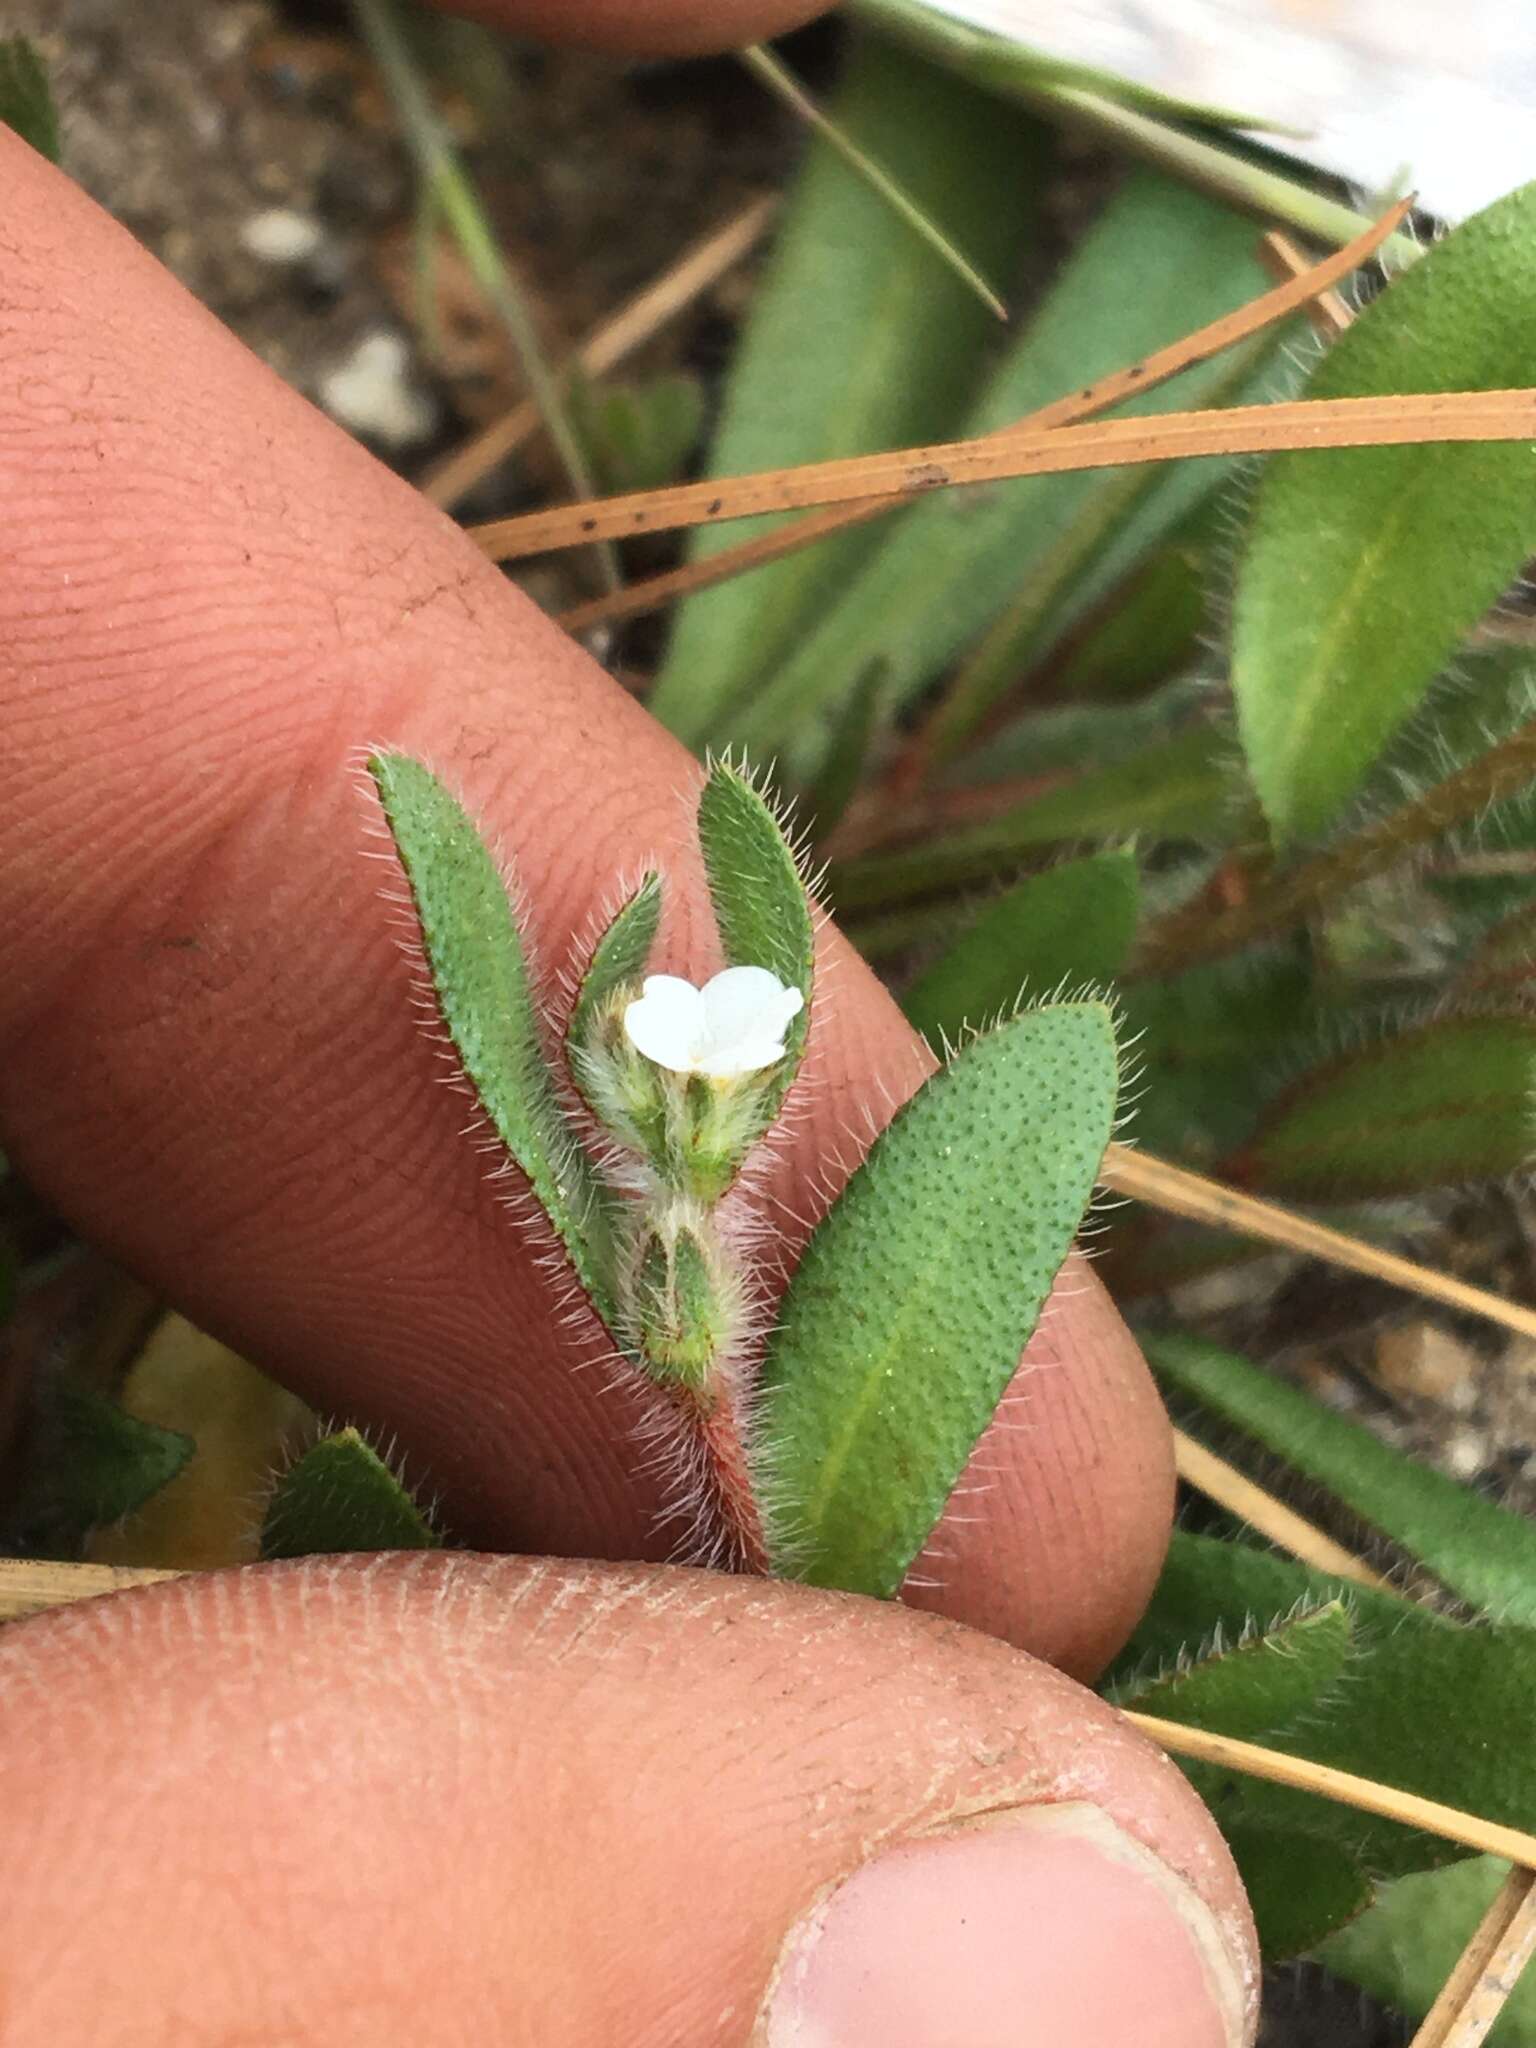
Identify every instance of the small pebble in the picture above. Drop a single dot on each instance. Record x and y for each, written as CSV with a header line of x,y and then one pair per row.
x,y
1424,1362
279,235
372,393
1465,1453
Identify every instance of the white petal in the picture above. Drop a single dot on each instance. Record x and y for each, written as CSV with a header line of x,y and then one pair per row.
x,y
747,1056
741,1003
666,1023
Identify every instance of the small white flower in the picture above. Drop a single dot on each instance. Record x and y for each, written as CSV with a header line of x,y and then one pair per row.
x,y
733,1025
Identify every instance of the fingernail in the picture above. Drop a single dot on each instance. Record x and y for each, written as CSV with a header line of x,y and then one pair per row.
x,y
1040,1925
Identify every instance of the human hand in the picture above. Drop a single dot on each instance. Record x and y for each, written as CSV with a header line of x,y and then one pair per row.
x,y
429,1799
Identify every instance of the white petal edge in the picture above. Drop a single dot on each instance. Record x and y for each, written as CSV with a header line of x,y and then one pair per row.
x,y
666,1022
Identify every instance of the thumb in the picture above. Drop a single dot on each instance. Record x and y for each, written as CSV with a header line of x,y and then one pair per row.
x,y
456,1799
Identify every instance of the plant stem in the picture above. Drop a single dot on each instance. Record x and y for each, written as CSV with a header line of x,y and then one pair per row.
x,y
452,194
714,1418
1198,931
781,81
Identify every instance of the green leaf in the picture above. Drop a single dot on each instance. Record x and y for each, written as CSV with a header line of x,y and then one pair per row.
x,y
1481,1551
620,955
1261,1682
26,98
1005,64
760,903
906,1316
1159,261
637,436
1149,633
342,1496
1428,1704
88,1462
1074,923
1173,789
1405,1947
1447,1101
475,954
884,341
1301,1889
1365,567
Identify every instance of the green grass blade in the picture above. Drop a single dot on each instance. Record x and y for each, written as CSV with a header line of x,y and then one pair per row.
x,y
1364,567
1074,923
770,71
475,956
885,347
342,1496
907,1314
1483,1552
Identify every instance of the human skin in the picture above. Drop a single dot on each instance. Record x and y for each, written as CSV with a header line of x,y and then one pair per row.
x,y
210,601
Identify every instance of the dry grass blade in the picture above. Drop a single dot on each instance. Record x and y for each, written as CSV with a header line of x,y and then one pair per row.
x,y
1179,1192
1266,311
31,1586
1236,1492
645,315
1200,1745
1476,1991
1392,421
1328,312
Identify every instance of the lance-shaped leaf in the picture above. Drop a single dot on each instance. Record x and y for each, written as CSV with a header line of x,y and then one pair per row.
x,y
1428,1706
26,98
884,341
1405,1947
1074,923
619,957
1364,567
1301,1888
475,956
1445,1102
1258,1683
1481,1551
907,1314
1175,789
342,1496
762,910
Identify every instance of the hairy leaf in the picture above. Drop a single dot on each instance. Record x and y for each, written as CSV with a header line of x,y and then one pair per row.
x,y
475,954
1159,261
907,1314
1485,1553
1074,923
884,341
1428,1704
1444,1102
1364,567
342,1496
1260,1682
1405,1947
760,903
1301,1888
620,955
1174,789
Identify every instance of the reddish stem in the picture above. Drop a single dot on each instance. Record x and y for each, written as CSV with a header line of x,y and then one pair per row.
x,y
718,1425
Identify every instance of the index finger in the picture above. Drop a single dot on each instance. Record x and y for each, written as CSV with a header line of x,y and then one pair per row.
x,y
210,600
